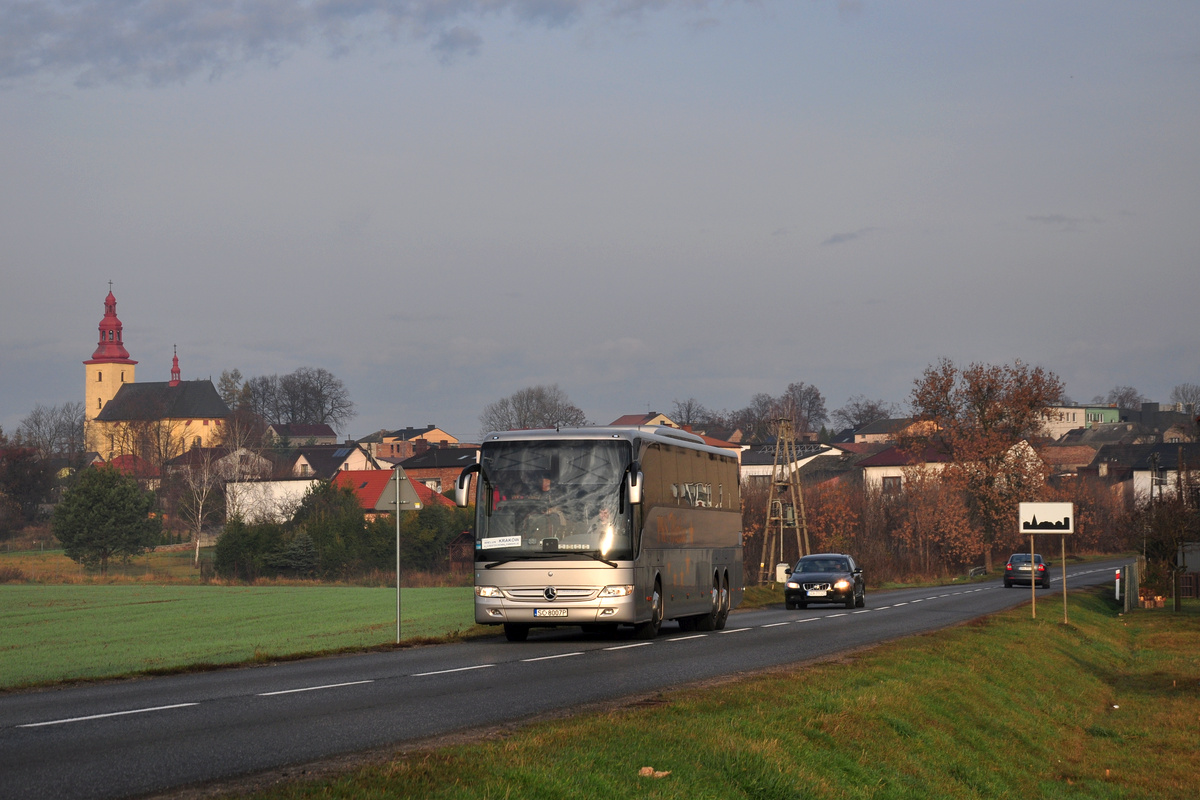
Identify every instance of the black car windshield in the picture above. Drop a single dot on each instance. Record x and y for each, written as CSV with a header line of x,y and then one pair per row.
x,y
1023,558
823,565
559,497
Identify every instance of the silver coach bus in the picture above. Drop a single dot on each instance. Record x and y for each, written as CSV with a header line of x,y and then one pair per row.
x,y
600,527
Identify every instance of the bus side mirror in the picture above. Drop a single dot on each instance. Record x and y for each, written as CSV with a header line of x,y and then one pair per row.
x,y
633,485
463,484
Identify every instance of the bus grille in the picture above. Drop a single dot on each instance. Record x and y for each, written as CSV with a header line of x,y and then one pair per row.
x,y
536,594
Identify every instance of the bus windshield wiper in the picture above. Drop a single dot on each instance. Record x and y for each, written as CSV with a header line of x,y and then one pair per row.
x,y
553,554
522,557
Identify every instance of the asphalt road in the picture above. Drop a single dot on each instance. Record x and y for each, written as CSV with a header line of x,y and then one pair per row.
x,y
153,735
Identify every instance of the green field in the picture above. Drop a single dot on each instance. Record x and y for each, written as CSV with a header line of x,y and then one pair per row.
x,y
54,632
1006,707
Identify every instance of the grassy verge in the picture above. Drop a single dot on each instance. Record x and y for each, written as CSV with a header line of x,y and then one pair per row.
x,y
51,633
1105,707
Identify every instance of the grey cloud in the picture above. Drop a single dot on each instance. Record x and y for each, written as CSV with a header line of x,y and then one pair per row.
x,y
456,42
842,238
163,41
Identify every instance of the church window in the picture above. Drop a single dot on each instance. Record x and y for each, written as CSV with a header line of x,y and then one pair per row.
x,y
99,404
99,376
122,376
196,442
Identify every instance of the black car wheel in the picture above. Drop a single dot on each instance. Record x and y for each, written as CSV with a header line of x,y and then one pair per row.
x,y
862,599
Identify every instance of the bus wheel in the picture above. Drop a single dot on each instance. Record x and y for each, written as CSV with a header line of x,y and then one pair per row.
x,y
649,629
723,614
516,633
708,622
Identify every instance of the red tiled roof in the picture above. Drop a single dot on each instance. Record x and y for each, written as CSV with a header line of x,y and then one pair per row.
x,y
369,484
895,457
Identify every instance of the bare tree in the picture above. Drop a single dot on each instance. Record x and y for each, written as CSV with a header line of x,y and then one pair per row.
x,y
689,412
54,431
532,407
803,405
1122,397
202,480
1189,395
306,396
860,411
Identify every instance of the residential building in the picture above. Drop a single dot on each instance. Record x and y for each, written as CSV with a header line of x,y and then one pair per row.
x,y
407,442
438,468
300,434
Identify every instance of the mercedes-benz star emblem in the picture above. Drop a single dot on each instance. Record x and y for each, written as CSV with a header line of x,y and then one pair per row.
x,y
550,592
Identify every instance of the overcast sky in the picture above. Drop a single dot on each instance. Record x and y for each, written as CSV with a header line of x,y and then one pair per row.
x,y
444,201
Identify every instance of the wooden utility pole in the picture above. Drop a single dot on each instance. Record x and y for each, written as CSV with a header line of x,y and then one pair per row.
x,y
785,503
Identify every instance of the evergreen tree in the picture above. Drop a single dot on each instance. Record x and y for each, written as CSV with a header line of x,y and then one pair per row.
x,y
105,516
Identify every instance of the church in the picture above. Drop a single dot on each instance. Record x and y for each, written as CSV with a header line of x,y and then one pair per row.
x,y
154,421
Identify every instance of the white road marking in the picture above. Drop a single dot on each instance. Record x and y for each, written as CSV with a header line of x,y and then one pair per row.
x,y
314,688
864,611
547,658
627,646
447,671
735,630
776,624
685,638
105,716
831,616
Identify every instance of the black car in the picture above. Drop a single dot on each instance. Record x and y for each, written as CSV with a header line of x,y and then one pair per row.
x,y
1018,570
825,578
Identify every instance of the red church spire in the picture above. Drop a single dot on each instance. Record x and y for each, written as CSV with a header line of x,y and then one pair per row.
x,y
111,348
174,367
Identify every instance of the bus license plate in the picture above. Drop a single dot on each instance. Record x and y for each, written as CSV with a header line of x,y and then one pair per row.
x,y
549,612
816,593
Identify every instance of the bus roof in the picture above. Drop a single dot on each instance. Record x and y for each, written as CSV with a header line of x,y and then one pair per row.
x,y
664,433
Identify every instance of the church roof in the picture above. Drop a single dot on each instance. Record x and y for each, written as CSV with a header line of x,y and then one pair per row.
x,y
161,400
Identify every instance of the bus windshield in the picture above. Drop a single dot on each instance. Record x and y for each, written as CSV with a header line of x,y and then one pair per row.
x,y
552,497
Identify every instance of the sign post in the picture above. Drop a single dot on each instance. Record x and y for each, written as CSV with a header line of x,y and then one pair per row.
x,y
1035,518
406,500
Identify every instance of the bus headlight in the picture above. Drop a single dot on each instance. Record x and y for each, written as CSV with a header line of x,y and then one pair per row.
x,y
616,591
488,591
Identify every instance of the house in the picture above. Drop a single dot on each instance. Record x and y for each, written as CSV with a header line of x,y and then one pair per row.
x,y
438,468
893,430
1106,433
649,418
265,500
323,461
1166,467
297,434
376,491
758,462
1065,460
1058,420
884,471
238,464
406,442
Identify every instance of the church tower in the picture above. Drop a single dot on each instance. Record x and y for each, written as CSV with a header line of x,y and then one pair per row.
x,y
108,369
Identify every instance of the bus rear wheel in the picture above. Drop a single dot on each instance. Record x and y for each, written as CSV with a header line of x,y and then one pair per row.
x,y
515,632
723,614
708,622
